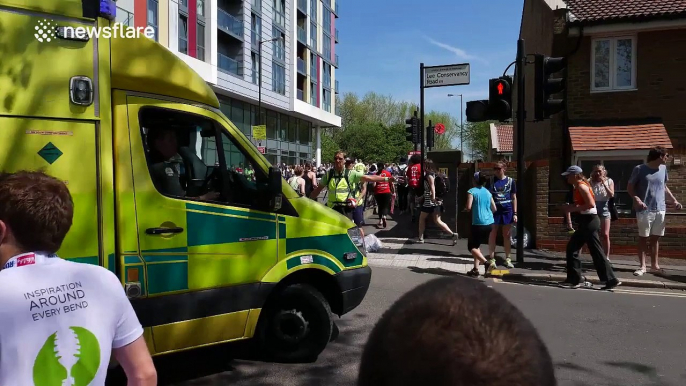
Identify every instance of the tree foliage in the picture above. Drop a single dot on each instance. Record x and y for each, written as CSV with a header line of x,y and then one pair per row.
x,y
373,128
476,139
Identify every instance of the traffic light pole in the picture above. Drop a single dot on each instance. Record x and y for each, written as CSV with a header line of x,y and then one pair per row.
x,y
521,117
421,112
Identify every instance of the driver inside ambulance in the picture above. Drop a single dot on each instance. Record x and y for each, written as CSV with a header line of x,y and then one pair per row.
x,y
167,165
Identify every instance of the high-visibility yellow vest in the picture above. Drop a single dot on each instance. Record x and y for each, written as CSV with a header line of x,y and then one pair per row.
x,y
340,188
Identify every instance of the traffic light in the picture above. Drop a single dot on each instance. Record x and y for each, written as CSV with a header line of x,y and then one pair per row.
x,y
430,131
412,129
477,111
500,98
545,87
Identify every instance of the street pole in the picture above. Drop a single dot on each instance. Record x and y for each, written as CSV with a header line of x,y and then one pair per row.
x,y
521,116
421,111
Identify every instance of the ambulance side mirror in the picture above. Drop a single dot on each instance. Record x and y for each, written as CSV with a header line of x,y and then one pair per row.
x,y
274,185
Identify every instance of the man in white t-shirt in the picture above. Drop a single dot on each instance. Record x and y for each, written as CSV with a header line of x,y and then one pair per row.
x,y
59,321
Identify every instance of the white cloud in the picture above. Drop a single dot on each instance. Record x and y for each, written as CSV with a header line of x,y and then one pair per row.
x,y
460,53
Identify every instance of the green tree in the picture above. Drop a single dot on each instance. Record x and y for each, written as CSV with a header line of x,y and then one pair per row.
x,y
375,109
476,138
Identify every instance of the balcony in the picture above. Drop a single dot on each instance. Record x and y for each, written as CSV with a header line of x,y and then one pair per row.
x,y
335,63
336,35
336,89
302,35
336,10
301,66
229,24
230,65
301,95
302,6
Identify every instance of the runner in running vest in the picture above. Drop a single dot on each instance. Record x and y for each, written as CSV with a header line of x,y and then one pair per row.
x,y
504,191
61,320
341,184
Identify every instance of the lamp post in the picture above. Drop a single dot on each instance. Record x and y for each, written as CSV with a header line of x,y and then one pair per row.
x,y
259,81
461,123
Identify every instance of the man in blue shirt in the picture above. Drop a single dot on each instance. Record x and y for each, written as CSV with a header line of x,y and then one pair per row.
x,y
648,188
504,191
480,202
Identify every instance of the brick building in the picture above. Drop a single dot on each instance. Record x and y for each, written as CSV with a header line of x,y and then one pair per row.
x,y
625,86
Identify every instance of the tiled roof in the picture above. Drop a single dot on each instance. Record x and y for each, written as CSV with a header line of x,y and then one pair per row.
x,y
504,138
630,137
588,11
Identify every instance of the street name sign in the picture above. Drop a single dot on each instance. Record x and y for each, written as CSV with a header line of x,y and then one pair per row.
x,y
450,75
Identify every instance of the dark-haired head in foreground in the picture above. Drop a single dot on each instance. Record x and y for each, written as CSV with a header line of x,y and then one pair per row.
x,y
458,332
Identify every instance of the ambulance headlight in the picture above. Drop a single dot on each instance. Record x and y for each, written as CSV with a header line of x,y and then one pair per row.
x,y
81,90
357,238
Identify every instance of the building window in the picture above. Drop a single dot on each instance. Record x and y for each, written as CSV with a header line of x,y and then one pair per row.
x,y
613,64
278,78
327,19
183,5
313,9
327,75
326,46
313,35
279,46
201,8
183,34
280,12
313,93
326,105
256,26
201,41
313,67
124,17
152,16
620,172
253,58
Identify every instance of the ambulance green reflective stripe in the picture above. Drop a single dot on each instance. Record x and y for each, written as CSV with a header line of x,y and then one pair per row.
x,y
207,229
336,245
321,260
231,212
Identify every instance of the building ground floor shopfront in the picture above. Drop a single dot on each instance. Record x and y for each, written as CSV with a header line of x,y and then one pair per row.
x,y
289,139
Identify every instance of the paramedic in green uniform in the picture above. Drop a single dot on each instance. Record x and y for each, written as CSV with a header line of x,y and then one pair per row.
x,y
340,184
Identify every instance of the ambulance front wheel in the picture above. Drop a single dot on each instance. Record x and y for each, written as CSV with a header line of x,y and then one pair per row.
x,y
296,326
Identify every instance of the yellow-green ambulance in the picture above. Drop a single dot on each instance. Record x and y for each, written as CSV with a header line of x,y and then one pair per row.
x,y
205,254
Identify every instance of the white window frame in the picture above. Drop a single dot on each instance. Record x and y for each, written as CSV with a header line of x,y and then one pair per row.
x,y
613,70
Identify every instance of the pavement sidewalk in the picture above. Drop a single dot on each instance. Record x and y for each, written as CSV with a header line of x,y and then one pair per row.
x,y
439,256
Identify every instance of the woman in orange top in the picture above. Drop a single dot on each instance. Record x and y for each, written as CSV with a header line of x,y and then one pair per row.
x,y
589,225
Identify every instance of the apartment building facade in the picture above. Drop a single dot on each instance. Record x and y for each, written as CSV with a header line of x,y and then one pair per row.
x,y
223,40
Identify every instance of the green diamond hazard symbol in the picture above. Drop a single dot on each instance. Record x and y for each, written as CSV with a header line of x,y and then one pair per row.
x,y
50,153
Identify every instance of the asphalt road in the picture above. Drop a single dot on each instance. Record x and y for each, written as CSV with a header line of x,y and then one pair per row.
x,y
629,337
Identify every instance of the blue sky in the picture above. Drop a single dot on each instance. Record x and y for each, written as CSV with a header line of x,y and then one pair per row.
x,y
382,43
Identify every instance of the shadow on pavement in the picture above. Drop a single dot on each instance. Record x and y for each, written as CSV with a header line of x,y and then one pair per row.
x,y
240,363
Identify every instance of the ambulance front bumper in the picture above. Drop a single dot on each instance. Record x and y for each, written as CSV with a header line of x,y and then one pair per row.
x,y
354,284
